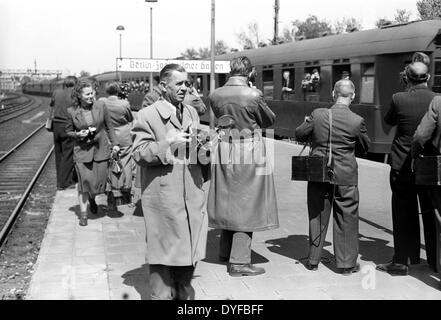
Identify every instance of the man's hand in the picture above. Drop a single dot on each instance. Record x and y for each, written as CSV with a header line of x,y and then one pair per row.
x,y
115,149
82,134
175,137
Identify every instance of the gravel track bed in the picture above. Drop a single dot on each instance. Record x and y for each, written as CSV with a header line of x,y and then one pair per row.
x,y
21,250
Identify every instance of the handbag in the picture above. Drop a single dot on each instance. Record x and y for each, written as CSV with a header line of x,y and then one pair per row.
x,y
314,168
427,170
49,125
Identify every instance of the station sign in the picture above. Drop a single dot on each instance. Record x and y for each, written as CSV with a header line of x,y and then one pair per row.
x,y
155,65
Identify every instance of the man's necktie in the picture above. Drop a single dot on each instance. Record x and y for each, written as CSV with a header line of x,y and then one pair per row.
x,y
179,114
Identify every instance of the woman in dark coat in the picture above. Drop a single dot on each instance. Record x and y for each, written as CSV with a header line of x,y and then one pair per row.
x,y
90,127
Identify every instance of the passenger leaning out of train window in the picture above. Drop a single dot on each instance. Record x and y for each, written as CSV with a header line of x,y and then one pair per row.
x,y
90,126
306,82
287,86
345,75
315,79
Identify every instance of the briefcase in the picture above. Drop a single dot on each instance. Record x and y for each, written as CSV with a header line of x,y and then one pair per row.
x,y
428,170
311,168
314,168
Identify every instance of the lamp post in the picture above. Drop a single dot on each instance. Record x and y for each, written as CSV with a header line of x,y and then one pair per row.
x,y
151,2
120,30
212,55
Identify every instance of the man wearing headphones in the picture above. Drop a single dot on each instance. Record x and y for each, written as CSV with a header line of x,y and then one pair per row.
x,y
406,111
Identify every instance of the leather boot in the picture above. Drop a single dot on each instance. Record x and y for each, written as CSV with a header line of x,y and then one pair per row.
x,y
83,219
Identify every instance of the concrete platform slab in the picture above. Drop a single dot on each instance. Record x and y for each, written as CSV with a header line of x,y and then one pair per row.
x,y
106,259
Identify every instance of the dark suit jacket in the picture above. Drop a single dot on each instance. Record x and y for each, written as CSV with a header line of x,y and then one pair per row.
x,y
427,138
349,135
406,111
99,148
245,104
61,100
151,97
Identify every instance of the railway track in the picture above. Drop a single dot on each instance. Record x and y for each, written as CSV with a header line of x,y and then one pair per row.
x,y
20,168
18,106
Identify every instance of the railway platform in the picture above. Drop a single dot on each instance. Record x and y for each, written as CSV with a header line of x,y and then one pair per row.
x,y
106,259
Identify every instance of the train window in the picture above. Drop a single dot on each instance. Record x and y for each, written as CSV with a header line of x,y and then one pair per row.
x,y
311,79
268,84
340,72
437,77
367,83
288,78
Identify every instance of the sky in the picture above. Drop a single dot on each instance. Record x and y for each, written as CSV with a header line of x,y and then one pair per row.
x,y
81,35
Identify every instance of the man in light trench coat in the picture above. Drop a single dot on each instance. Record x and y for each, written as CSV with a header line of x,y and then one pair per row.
x,y
172,195
242,197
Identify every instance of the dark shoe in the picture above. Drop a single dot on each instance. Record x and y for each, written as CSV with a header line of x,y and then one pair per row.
x,y
223,259
394,268
92,206
311,267
349,271
111,203
239,270
83,219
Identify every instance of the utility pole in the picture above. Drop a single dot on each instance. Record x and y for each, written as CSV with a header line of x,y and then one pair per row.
x,y
276,21
213,41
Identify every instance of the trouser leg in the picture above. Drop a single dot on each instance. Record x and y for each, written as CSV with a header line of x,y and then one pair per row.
x,y
319,198
63,147
241,248
161,285
435,196
67,166
405,219
429,227
58,155
345,226
182,277
225,243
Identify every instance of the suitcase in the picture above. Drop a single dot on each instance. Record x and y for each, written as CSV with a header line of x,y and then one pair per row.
x,y
428,171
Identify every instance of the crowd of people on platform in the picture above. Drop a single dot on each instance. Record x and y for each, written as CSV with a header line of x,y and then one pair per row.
x,y
101,145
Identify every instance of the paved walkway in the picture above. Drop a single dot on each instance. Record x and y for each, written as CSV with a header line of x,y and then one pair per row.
x,y
106,259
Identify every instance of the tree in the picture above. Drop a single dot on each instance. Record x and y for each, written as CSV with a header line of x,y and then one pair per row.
x,y
220,47
429,9
84,74
402,16
251,39
204,53
382,22
190,53
347,25
312,27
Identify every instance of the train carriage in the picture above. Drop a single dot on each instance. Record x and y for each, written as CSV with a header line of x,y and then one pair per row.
x,y
373,59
